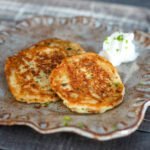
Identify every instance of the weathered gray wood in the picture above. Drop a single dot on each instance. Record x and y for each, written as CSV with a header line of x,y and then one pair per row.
x,y
24,138
145,126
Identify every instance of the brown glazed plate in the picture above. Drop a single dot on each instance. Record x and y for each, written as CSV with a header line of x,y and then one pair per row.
x,y
90,33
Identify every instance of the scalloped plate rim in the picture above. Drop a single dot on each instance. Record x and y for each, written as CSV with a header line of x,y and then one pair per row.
x,y
86,133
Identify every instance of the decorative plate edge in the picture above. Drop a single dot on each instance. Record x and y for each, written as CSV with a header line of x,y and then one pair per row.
x,y
84,132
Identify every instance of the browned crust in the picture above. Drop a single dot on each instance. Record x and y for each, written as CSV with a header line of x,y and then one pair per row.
x,y
23,89
101,83
71,47
27,87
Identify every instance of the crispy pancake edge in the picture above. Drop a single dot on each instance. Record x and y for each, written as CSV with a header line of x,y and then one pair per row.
x,y
8,63
84,108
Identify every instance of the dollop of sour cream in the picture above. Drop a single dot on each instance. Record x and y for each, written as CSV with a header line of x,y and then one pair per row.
x,y
119,48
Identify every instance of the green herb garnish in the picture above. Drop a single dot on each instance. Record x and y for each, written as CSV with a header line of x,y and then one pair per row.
x,y
21,99
64,84
106,40
114,127
141,83
69,48
126,41
127,92
80,125
116,84
45,104
120,38
117,50
65,123
37,80
66,120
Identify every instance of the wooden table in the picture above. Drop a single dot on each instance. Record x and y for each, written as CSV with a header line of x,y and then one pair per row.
x,y
24,138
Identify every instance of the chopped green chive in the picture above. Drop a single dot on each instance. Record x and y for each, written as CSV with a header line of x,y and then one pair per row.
x,y
37,80
45,104
127,91
66,120
116,84
21,99
114,127
64,84
117,50
69,48
80,125
65,123
120,38
141,83
126,41
106,38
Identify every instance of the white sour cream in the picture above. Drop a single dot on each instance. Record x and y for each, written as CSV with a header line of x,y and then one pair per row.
x,y
119,48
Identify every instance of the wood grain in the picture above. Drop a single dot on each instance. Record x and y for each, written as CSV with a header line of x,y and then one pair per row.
x,y
24,138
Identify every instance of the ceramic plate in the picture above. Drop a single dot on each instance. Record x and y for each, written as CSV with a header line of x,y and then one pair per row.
x,y
90,33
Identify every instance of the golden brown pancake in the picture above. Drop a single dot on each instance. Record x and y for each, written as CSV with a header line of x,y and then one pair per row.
x,y
71,47
28,72
87,83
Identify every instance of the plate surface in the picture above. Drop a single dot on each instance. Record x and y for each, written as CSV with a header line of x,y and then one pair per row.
x,y
90,33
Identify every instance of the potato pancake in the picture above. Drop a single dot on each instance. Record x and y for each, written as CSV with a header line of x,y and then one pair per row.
x,y
71,47
87,83
27,73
